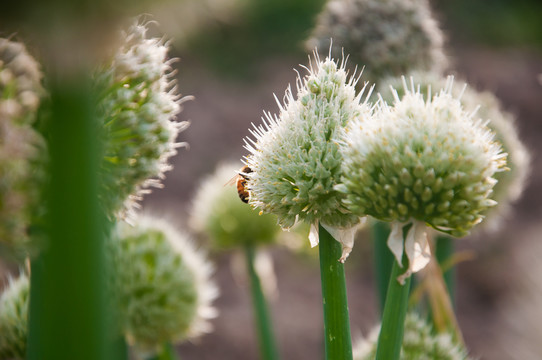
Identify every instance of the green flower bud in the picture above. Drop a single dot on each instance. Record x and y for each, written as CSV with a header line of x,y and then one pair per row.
x,y
510,183
14,319
427,162
229,222
162,284
295,157
386,37
419,343
22,149
138,108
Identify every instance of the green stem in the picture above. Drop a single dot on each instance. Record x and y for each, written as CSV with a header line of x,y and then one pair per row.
x,y
167,352
268,348
68,313
383,259
393,318
444,250
338,343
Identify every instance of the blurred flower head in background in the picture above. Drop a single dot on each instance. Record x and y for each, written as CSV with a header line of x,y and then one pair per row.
x,y
218,213
138,106
386,37
419,343
162,284
21,147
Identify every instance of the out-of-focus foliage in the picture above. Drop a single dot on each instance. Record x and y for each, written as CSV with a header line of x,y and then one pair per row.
x,y
266,27
494,22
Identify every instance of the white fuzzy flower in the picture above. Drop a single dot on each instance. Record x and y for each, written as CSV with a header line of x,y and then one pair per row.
x,y
162,284
424,162
295,158
138,106
487,107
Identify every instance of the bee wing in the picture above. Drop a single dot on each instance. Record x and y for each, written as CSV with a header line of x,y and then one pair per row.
x,y
231,181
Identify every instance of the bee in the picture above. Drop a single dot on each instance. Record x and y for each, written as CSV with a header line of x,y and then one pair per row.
x,y
240,180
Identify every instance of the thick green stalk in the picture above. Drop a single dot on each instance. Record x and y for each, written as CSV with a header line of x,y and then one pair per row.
x,y
393,318
268,348
67,300
338,343
444,251
383,259
167,352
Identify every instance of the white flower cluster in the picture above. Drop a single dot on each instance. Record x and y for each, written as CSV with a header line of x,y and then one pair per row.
x,y
21,147
138,108
423,161
14,319
161,284
386,37
419,343
486,106
295,157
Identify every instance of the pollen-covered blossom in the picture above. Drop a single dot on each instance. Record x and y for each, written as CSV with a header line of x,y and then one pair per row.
x,y
138,106
218,212
22,148
295,157
424,161
510,183
419,343
386,37
161,284
14,319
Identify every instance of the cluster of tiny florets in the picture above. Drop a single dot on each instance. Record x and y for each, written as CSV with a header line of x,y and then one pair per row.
x,y
419,343
21,147
14,319
138,108
487,107
386,37
295,156
422,159
228,222
161,284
